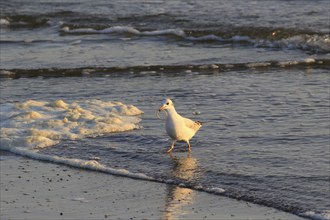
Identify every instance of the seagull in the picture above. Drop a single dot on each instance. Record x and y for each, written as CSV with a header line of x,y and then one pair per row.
x,y
178,127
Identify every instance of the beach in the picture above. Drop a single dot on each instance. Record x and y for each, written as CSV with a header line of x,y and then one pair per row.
x,y
81,83
32,189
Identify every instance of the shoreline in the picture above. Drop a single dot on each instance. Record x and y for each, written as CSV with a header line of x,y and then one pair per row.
x,y
32,189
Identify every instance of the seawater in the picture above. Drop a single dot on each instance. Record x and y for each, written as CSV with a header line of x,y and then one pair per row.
x,y
81,83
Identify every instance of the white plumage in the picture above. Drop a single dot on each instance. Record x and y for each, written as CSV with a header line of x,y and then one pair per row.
x,y
178,127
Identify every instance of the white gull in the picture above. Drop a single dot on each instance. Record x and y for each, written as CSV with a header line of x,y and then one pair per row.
x,y
178,127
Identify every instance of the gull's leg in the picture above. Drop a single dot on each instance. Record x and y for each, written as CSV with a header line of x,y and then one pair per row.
x,y
172,146
188,145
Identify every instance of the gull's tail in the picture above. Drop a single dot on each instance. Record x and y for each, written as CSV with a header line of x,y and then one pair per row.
x,y
199,123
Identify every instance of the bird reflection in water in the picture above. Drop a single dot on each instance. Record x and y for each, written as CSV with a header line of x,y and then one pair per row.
x,y
184,168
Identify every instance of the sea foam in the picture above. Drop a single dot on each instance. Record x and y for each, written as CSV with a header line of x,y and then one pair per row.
x,y
38,124
317,216
318,43
4,22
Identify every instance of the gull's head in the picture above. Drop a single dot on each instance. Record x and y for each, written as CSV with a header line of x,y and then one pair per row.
x,y
166,104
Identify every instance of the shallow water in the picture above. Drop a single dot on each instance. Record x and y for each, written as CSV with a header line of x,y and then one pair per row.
x,y
261,142
257,75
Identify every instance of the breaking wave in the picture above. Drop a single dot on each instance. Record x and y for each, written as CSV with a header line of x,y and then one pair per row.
x,y
309,42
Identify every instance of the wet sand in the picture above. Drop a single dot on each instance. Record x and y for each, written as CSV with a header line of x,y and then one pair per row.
x,y
32,189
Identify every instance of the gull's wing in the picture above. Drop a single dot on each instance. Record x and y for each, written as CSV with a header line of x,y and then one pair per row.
x,y
195,125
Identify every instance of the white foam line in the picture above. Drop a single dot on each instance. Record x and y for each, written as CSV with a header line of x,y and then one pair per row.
x,y
96,166
177,32
205,38
213,37
85,164
125,29
317,216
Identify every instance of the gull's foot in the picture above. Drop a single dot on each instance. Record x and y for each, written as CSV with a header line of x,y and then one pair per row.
x,y
171,155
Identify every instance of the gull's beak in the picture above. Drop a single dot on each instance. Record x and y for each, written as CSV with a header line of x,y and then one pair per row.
x,y
161,108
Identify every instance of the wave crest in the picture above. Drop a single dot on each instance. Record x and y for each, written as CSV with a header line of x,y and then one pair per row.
x,y
123,30
319,43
